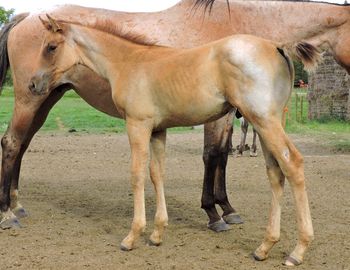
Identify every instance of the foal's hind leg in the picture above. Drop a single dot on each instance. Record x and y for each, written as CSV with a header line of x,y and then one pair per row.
x,y
157,175
277,180
291,163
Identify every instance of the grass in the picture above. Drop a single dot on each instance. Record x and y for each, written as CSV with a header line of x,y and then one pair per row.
x,y
73,114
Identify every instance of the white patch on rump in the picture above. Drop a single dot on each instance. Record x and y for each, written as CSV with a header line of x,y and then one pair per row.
x,y
243,55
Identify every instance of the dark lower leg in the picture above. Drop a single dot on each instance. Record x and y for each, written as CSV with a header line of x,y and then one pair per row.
x,y
7,219
208,200
253,149
244,130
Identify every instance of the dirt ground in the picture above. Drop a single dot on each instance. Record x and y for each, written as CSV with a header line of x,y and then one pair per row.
x,y
77,191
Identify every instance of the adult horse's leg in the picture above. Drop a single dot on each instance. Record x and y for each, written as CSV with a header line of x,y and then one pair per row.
x,y
157,175
216,149
244,131
26,121
139,133
290,161
253,149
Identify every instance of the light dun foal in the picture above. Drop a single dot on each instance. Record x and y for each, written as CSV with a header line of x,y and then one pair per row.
x,y
155,88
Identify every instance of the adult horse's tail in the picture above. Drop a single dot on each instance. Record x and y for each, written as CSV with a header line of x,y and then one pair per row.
x,y
308,54
4,59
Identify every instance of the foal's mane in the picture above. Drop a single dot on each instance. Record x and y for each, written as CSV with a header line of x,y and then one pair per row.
x,y
109,27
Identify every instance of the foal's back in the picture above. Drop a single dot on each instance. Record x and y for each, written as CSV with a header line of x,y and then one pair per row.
x,y
192,86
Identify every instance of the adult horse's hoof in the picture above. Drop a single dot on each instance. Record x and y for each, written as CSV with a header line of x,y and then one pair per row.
x,y
233,218
253,154
20,212
219,226
290,261
8,223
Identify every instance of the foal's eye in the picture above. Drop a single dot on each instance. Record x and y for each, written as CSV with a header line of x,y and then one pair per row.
x,y
51,48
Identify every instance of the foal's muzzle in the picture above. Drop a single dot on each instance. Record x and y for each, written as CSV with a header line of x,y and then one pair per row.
x,y
38,85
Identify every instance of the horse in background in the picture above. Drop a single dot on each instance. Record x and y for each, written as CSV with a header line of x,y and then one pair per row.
x,y
242,145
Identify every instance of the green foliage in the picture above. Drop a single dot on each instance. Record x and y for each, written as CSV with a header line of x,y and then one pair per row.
x,y
300,73
8,79
5,15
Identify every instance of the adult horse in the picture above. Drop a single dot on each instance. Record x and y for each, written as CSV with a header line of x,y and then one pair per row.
x,y
156,87
327,26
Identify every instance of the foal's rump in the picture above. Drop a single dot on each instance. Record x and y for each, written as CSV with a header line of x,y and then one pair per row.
x,y
260,73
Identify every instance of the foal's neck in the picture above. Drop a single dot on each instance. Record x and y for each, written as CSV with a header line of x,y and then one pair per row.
x,y
107,54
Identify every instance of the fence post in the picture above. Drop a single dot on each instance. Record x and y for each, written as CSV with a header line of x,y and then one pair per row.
x,y
301,108
296,107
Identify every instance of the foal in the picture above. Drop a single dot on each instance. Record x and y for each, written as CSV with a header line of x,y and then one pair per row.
x,y
154,88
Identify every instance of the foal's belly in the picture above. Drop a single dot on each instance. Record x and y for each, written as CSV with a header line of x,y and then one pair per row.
x,y
194,114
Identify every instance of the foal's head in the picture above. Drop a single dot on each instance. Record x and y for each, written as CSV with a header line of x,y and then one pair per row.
x,y
56,58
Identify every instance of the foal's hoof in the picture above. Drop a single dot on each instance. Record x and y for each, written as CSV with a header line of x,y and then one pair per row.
x,y
233,218
9,223
290,261
125,248
154,243
20,212
219,226
258,258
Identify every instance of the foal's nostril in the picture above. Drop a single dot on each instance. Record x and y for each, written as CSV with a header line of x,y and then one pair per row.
x,y
31,86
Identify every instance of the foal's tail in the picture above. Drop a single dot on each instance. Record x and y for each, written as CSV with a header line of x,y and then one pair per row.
x,y
4,33
308,54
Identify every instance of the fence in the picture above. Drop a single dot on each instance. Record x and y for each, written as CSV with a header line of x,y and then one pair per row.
x,y
297,108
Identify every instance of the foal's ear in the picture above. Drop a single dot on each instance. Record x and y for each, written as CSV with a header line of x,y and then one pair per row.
x,y
51,24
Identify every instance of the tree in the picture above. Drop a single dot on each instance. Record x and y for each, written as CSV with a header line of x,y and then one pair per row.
x,y
300,73
5,16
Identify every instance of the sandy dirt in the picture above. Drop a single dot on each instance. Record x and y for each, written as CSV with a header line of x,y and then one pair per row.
x,y
77,191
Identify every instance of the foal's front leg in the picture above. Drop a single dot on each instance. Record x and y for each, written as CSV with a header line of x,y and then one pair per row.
x,y
139,133
157,175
